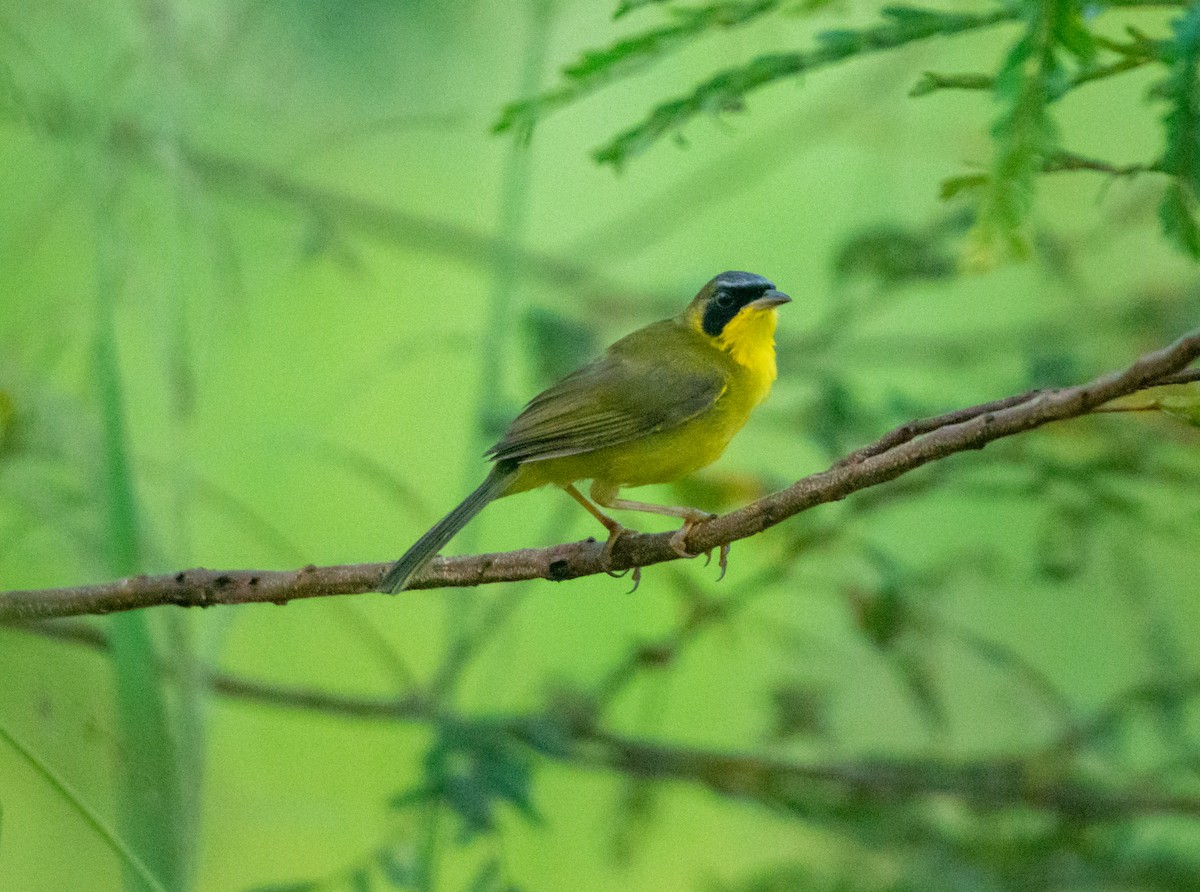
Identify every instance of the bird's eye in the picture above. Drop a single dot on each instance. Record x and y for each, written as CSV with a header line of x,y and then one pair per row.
x,y
724,300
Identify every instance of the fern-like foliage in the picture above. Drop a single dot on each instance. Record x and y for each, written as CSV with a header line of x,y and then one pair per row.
x,y
1181,123
728,90
1034,74
1057,50
599,67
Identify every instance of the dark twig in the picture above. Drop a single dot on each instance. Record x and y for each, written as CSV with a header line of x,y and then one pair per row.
x,y
784,782
1068,162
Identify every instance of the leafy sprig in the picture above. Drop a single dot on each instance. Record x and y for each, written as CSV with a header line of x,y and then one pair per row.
x,y
1181,125
1057,51
1034,74
597,68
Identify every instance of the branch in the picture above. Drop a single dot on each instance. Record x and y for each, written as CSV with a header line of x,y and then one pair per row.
x,y
997,783
904,449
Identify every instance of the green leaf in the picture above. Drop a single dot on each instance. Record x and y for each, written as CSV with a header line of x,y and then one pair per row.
x,y
953,186
1032,77
1188,412
601,66
931,82
1181,123
397,866
1181,401
1177,215
548,734
627,6
471,767
487,878
597,68
8,415
1073,35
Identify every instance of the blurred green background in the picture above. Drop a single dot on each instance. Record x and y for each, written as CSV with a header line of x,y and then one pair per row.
x,y
269,285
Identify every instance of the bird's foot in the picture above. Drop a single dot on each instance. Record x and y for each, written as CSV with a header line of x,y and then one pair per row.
x,y
679,540
722,560
606,557
614,534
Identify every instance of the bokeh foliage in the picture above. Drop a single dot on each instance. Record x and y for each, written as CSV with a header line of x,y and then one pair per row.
x,y
1062,45
271,283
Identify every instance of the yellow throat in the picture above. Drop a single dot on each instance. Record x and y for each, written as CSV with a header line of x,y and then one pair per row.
x,y
750,339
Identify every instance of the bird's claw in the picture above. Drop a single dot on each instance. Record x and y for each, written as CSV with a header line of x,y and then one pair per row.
x,y
678,542
723,560
606,559
606,555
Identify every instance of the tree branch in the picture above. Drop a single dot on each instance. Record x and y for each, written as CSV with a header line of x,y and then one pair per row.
x,y
995,783
903,450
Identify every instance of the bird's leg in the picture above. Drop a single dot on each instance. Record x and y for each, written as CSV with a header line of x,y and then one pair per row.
x,y
605,494
615,531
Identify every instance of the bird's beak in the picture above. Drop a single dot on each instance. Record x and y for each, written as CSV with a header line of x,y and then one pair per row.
x,y
769,301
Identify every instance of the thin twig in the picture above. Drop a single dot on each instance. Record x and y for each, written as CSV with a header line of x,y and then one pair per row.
x,y
781,781
1069,162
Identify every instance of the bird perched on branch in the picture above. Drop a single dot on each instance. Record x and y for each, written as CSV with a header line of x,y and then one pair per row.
x,y
658,404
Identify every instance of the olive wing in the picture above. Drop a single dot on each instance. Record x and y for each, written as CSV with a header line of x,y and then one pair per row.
x,y
639,387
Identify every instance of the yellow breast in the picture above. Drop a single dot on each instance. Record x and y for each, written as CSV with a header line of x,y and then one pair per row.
x,y
750,339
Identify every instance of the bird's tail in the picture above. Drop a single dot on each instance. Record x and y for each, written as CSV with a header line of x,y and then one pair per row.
x,y
445,529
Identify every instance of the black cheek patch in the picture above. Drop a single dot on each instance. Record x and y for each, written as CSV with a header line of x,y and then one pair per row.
x,y
717,317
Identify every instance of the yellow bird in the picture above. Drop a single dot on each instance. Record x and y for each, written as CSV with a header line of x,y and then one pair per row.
x,y
658,404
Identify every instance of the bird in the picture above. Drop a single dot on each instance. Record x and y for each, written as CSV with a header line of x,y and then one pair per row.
x,y
658,404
